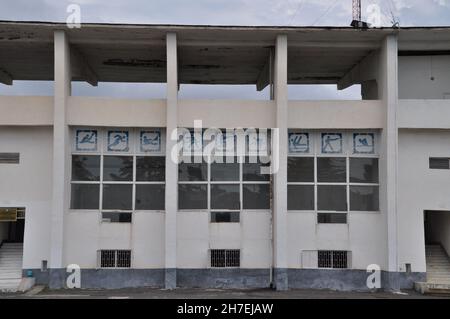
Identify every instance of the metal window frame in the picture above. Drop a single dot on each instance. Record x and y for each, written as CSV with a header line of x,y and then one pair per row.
x,y
239,182
347,153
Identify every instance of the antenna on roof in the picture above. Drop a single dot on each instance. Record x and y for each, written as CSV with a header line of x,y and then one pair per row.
x,y
357,20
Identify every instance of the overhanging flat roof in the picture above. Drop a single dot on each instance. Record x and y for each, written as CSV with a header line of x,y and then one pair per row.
x,y
207,54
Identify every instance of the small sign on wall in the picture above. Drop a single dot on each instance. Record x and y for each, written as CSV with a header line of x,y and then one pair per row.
x,y
299,143
118,141
86,140
150,141
331,143
363,143
8,214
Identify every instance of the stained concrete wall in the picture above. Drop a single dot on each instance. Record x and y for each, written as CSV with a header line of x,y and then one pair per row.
x,y
28,185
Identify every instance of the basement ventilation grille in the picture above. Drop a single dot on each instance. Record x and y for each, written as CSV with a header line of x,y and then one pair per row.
x,y
115,258
222,258
9,158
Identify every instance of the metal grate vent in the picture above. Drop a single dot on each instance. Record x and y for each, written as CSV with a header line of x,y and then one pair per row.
x,y
439,163
9,158
115,258
222,258
332,259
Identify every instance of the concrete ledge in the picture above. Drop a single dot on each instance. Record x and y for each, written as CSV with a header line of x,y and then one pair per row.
x,y
432,288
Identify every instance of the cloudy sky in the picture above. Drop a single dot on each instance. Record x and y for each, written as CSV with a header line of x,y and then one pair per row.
x,y
218,12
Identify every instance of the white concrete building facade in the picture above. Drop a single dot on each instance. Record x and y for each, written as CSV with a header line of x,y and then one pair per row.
x,y
92,181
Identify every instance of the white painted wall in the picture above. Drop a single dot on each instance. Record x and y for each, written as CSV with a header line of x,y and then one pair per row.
x,y
420,189
29,185
415,75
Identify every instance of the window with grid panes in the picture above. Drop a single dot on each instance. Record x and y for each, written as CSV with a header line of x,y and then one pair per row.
x,y
117,182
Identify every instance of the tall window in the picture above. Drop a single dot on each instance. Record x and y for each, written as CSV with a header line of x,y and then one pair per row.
x,y
332,174
117,172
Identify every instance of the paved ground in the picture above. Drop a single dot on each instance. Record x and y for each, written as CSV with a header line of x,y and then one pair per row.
x,y
41,293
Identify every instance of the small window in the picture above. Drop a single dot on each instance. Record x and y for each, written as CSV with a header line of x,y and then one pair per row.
x,y
116,217
223,172
332,218
251,169
150,168
332,259
222,258
85,168
331,170
439,163
85,196
301,169
225,217
363,170
332,198
364,198
115,258
192,196
300,197
225,196
192,172
9,158
256,196
150,197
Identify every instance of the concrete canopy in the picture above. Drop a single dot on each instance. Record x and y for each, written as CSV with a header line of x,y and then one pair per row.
x,y
207,54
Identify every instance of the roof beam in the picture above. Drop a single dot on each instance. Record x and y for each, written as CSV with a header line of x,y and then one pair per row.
x,y
84,67
5,77
266,74
365,70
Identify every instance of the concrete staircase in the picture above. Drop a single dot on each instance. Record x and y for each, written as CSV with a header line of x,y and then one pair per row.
x,y
438,271
10,267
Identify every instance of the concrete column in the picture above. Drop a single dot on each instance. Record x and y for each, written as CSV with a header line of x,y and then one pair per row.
x,y
62,90
171,165
280,177
388,87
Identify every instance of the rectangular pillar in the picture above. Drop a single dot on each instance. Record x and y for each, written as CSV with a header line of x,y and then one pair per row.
x,y
171,164
280,177
60,189
389,153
